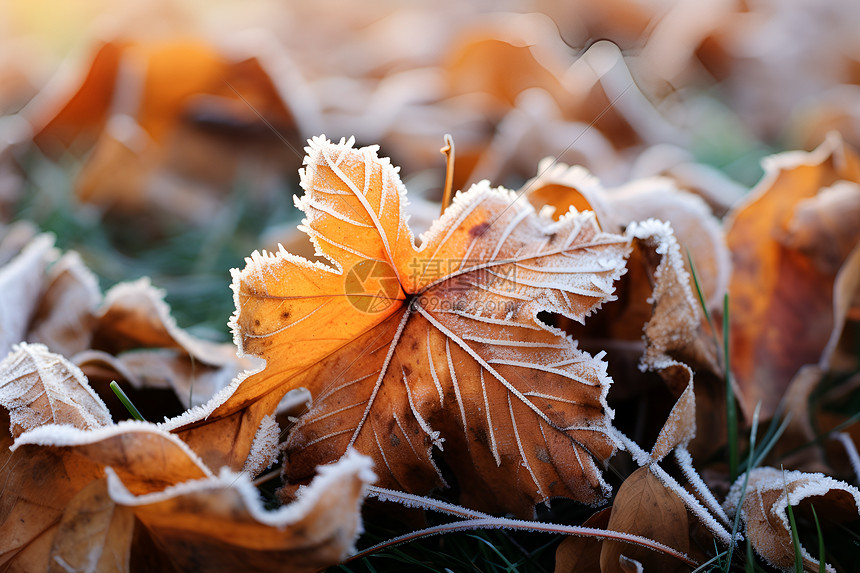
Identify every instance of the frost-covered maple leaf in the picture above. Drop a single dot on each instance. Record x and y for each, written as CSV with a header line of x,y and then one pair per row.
x,y
420,354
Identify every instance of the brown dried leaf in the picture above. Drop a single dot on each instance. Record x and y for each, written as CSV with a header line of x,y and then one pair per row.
x,y
672,333
782,285
444,354
643,506
674,329
38,387
824,227
134,315
94,534
696,229
214,524
838,356
680,426
765,506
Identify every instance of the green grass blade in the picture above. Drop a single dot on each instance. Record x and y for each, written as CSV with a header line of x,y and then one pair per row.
x,y
749,566
704,306
731,407
795,538
822,567
699,290
770,443
824,436
737,520
508,565
135,413
706,566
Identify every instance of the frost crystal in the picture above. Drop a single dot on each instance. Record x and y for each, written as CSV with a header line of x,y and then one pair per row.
x,y
264,450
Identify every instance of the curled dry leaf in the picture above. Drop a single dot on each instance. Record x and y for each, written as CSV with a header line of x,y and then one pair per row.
x,y
38,387
65,316
135,336
671,333
788,240
838,357
656,300
127,334
697,230
680,426
643,506
49,465
408,349
765,506
694,226
56,509
219,523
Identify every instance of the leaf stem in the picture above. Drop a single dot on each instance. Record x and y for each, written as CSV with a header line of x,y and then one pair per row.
x,y
448,151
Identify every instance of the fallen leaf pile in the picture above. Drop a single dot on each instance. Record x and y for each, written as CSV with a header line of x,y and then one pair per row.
x,y
623,306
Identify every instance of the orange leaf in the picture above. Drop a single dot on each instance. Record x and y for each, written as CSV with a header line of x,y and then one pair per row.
x,y
788,240
408,349
163,111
